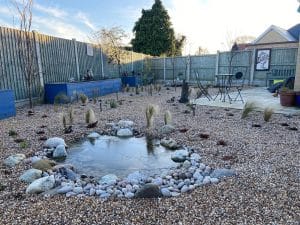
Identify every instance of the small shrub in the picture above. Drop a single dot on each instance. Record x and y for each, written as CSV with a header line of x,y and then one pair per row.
x,y
151,110
90,117
151,89
23,144
64,120
249,107
12,133
268,112
158,88
113,104
71,115
61,98
167,117
83,98
127,88
137,90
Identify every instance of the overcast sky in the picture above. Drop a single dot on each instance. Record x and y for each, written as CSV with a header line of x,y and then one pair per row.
x,y
206,23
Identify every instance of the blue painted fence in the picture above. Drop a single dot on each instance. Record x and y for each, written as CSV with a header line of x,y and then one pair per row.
x,y
7,104
91,88
132,81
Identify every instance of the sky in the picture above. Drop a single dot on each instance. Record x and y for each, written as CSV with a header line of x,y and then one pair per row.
x,y
206,23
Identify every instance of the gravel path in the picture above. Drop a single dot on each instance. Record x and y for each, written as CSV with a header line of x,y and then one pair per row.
x,y
266,190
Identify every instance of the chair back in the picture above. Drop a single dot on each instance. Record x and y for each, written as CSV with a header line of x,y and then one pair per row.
x,y
238,75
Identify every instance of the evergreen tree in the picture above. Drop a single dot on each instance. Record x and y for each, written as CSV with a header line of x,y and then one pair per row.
x,y
154,34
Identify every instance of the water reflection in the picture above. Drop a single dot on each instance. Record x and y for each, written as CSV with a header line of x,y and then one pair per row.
x,y
109,154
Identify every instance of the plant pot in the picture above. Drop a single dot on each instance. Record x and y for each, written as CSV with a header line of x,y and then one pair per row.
x,y
297,99
287,98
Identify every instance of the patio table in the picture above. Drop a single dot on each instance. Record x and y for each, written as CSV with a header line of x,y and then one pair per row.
x,y
224,84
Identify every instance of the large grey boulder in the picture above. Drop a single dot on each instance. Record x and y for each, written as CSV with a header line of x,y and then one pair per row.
x,y
180,155
148,191
219,173
40,185
93,135
54,142
60,152
166,129
125,124
124,132
169,143
109,179
31,175
43,164
13,160
135,177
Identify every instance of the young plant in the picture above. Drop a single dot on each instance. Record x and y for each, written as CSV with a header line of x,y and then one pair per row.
x,y
113,104
71,115
151,110
127,88
90,118
151,89
137,90
158,88
249,107
64,120
83,98
168,117
268,112
12,133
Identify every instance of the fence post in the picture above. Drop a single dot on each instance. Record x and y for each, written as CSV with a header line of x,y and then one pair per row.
x,y
252,66
164,69
297,75
38,56
217,64
102,67
76,59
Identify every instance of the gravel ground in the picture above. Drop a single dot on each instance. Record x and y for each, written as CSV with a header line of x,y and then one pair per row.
x,y
266,190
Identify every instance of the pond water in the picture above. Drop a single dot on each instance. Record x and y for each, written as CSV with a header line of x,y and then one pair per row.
x,y
119,156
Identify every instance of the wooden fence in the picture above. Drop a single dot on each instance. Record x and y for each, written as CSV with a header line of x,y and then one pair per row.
x,y
59,60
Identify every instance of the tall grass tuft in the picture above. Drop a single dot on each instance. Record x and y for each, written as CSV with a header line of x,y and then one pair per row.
x,y
151,110
83,98
90,117
168,117
268,112
71,115
249,107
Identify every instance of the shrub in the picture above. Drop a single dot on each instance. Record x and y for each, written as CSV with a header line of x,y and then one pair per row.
x,y
83,98
113,104
90,117
151,110
167,117
12,133
268,112
61,98
249,107
23,144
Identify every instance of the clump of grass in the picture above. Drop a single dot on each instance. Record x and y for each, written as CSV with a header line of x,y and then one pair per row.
x,y
127,88
137,90
158,88
151,89
268,112
83,98
12,133
142,88
23,144
168,117
60,98
64,120
71,115
151,110
248,108
113,104
90,118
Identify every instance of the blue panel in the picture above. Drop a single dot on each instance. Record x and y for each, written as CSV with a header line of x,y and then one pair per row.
x,y
7,104
103,87
132,81
51,90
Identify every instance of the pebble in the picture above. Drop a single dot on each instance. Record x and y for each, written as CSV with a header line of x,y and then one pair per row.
x,y
129,195
166,192
184,189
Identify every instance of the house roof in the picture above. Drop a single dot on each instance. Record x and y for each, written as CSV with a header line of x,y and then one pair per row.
x,y
284,33
295,31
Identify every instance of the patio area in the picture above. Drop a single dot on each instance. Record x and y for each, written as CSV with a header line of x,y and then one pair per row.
x,y
260,95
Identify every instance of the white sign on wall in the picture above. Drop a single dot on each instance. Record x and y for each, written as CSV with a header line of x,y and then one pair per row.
x,y
89,50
